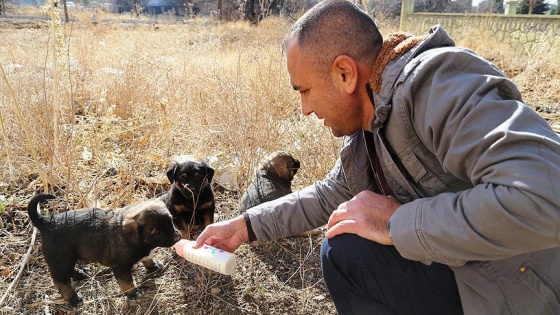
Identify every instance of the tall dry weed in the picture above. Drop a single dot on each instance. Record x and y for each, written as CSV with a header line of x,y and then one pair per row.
x,y
139,94
113,102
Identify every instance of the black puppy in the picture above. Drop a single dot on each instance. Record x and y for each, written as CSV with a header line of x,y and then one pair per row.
x,y
272,179
114,238
190,198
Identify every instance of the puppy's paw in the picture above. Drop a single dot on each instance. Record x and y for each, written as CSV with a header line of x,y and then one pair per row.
x,y
134,294
157,266
76,301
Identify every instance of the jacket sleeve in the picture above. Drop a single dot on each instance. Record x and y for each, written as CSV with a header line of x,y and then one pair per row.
x,y
302,210
472,118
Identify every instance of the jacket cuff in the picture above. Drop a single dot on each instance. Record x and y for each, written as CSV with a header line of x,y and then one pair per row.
x,y
250,232
406,233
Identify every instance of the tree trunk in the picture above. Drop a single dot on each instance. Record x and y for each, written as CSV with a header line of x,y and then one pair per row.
x,y
250,13
66,12
532,4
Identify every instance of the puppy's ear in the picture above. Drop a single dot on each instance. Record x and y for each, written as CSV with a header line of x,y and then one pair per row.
x,y
281,166
132,224
296,165
171,172
209,172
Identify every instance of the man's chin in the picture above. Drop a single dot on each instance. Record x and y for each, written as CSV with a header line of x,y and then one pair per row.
x,y
340,133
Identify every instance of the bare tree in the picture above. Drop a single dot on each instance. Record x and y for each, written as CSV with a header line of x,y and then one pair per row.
x,y
384,9
532,4
533,7
2,7
491,6
362,4
432,5
447,6
256,10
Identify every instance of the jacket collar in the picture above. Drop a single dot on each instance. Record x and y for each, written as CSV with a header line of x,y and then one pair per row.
x,y
397,51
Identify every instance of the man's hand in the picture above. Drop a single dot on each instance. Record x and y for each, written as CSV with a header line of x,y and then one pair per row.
x,y
365,215
227,235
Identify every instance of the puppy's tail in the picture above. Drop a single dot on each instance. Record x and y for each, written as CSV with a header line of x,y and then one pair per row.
x,y
35,217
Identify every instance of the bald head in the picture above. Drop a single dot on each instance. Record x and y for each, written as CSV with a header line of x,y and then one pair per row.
x,y
333,28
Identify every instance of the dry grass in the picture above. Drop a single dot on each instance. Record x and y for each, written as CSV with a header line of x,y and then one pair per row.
x,y
134,95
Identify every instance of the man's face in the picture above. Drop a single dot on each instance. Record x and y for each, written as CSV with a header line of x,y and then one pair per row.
x,y
320,93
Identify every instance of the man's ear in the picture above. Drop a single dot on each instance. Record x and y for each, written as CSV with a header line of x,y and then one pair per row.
x,y
344,73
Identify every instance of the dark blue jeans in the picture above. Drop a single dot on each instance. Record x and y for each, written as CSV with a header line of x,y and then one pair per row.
x,y
364,277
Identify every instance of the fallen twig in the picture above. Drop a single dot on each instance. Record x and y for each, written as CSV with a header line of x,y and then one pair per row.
x,y
23,264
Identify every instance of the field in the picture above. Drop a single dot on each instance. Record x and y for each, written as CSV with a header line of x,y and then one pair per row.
x,y
94,110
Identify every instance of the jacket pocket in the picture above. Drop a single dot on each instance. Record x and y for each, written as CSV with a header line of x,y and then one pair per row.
x,y
426,183
544,289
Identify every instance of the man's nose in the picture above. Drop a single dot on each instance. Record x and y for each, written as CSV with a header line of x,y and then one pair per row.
x,y
305,108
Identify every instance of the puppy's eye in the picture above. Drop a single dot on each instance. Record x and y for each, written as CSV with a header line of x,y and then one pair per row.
x,y
197,176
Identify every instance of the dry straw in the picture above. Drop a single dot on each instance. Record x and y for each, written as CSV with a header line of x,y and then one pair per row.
x,y
59,61
25,130
4,134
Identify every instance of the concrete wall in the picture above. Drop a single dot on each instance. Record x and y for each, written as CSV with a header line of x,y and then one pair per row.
x,y
525,33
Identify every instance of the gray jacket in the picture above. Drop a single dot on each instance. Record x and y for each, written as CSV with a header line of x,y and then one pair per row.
x,y
477,172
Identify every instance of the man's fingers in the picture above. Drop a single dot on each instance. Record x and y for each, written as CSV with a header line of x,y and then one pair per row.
x,y
336,216
201,239
346,226
207,236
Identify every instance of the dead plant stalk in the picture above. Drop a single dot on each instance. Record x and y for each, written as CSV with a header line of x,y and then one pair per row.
x,y
25,130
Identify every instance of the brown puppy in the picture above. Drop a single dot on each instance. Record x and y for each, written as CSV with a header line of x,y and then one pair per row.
x,y
272,179
190,198
114,238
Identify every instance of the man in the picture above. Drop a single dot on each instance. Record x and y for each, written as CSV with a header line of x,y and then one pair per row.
x,y
445,197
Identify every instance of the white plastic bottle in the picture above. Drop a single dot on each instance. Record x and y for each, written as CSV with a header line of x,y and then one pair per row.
x,y
207,256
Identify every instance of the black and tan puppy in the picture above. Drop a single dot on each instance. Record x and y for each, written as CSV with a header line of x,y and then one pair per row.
x,y
190,198
114,238
272,179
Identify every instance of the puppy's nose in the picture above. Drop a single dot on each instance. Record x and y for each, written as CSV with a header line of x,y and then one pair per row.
x,y
176,236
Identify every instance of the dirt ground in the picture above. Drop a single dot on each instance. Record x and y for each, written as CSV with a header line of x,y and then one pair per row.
x,y
281,277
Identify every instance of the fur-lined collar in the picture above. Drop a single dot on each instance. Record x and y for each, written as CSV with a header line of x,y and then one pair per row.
x,y
393,46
